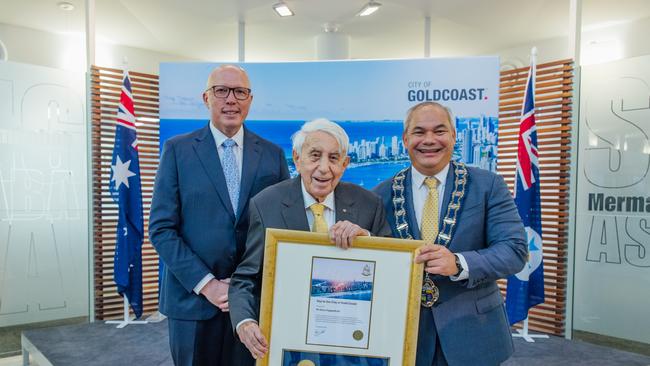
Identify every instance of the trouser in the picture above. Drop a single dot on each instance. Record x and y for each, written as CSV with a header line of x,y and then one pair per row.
x,y
208,342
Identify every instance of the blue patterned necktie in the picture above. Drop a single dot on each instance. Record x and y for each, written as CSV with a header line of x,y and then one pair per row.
x,y
231,171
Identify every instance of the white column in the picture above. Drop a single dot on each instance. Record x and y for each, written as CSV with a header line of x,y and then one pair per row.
x,y
241,45
427,36
90,33
90,60
332,46
575,25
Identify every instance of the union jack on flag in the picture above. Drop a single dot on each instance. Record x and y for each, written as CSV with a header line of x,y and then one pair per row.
x,y
126,190
526,288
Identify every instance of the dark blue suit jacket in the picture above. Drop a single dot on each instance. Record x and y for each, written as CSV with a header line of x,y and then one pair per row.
x,y
193,225
469,318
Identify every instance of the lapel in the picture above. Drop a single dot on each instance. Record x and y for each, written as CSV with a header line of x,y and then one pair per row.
x,y
293,211
251,158
410,212
449,187
206,150
343,203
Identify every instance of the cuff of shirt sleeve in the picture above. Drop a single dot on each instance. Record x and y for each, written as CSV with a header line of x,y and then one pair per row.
x,y
199,286
244,321
464,274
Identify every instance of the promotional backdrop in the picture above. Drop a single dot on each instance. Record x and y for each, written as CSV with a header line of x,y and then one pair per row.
x,y
369,99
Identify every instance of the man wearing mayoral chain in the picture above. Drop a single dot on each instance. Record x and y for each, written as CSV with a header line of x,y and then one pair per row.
x,y
475,236
317,201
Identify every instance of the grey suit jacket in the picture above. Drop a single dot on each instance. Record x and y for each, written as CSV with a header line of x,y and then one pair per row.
x,y
282,207
193,226
469,318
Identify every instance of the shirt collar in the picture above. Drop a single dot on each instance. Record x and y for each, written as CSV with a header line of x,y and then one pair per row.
x,y
219,137
418,178
309,200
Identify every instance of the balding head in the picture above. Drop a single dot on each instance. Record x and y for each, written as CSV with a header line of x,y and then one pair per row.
x,y
228,98
215,75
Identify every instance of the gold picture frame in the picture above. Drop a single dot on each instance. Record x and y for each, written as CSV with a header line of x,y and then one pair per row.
x,y
288,257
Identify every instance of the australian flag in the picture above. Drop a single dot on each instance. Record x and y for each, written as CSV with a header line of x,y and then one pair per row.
x,y
126,191
526,288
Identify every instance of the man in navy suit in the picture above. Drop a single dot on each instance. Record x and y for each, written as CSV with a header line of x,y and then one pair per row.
x,y
476,237
199,219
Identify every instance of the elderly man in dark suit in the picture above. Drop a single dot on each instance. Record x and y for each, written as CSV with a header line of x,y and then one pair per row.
x,y
315,201
199,219
476,237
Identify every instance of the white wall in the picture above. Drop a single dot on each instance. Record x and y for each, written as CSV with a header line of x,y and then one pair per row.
x,y
547,50
388,44
598,45
259,48
68,51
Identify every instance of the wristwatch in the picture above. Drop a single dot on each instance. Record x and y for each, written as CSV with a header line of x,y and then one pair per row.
x,y
459,266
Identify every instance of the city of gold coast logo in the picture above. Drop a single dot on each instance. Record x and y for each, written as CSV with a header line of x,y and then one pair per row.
x,y
366,271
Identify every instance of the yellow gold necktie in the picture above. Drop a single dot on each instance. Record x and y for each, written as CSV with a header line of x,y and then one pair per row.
x,y
429,229
320,225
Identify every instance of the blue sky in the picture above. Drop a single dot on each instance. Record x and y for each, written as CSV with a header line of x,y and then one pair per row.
x,y
338,90
341,269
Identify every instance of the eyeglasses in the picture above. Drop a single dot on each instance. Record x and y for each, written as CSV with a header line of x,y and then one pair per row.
x,y
222,91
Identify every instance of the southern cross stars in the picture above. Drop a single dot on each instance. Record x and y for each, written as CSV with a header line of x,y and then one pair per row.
x,y
121,173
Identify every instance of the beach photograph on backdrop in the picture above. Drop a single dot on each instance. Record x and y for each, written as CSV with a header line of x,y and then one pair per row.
x,y
369,99
340,302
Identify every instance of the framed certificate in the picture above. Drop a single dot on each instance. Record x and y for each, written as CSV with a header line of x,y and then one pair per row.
x,y
322,305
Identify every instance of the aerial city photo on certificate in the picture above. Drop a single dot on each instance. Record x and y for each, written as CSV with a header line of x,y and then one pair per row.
x,y
340,302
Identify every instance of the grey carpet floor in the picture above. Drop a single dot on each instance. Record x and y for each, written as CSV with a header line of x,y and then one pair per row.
x,y
10,336
147,345
560,351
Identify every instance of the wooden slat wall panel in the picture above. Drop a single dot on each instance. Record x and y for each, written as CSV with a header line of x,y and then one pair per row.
x,y
105,88
553,113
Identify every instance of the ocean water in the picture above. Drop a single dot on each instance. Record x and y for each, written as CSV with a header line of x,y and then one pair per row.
x,y
365,295
279,132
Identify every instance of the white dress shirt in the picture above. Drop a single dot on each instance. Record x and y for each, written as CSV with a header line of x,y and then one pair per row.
x,y
420,193
219,138
329,213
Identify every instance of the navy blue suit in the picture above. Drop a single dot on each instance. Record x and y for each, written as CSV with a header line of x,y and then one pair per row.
x,y
469,319
194,227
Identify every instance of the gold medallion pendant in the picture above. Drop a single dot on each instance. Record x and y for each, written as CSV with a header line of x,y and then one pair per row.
x,y
430,292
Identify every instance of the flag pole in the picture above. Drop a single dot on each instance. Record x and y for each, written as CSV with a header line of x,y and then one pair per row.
x,y
523,332
127,318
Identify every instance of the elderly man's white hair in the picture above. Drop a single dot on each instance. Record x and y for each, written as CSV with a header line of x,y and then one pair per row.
x,y
324,125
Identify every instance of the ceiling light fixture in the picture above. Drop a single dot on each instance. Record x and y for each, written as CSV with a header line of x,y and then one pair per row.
x,y
66,6
369,8
282,9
